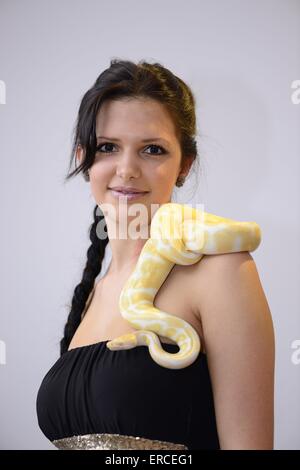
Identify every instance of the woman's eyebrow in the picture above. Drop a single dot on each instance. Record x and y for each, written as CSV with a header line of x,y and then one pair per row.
x,y
143,140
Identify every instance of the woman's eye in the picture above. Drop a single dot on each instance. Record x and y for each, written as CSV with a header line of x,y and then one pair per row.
x,y
157,147
99,148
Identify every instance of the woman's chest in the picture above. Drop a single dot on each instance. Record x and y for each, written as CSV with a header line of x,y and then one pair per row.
x,y
103,321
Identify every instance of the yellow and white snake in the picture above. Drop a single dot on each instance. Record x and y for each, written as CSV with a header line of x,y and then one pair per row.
x,y
179,234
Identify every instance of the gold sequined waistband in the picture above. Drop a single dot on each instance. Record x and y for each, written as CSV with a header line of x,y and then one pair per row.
x,y
113,442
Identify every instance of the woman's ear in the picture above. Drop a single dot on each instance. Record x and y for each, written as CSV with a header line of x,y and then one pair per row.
x,y
79,157
79,154
185,167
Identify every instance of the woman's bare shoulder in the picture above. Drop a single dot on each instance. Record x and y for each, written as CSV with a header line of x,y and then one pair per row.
x,y
214,271
240,347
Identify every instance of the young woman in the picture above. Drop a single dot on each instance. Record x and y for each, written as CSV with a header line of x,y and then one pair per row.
x,y
136,131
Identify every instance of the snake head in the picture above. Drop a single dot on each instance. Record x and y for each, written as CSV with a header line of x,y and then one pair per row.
x,y
127,341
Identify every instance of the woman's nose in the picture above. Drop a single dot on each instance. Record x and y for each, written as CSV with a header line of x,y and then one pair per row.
x,y
128,166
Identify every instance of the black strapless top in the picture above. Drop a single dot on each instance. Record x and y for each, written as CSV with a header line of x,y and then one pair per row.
x,y
91,389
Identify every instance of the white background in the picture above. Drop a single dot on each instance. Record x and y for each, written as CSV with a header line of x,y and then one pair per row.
x,y
240,58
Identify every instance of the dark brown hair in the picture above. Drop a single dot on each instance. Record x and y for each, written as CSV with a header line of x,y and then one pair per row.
x,y
123,79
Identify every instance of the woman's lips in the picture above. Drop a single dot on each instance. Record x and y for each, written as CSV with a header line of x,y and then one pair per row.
x,y
128,196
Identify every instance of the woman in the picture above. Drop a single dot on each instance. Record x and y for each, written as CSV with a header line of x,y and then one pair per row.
x,y
136,131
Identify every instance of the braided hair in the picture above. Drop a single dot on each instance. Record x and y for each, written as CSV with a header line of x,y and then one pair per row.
x,y
95,255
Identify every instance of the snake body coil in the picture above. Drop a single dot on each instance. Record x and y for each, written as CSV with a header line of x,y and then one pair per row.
x,y
179,234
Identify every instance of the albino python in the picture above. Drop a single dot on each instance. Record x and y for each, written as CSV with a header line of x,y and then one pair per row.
x,y
179,234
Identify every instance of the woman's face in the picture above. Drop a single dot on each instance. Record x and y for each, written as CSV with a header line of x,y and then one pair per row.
x,y
123,159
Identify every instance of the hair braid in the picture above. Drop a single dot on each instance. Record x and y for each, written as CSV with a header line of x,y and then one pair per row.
x,y
95,256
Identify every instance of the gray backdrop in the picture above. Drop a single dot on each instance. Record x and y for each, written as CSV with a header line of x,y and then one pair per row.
x,y
241,59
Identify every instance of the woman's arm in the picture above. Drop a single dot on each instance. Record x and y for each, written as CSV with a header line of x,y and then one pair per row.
x,y
240,345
